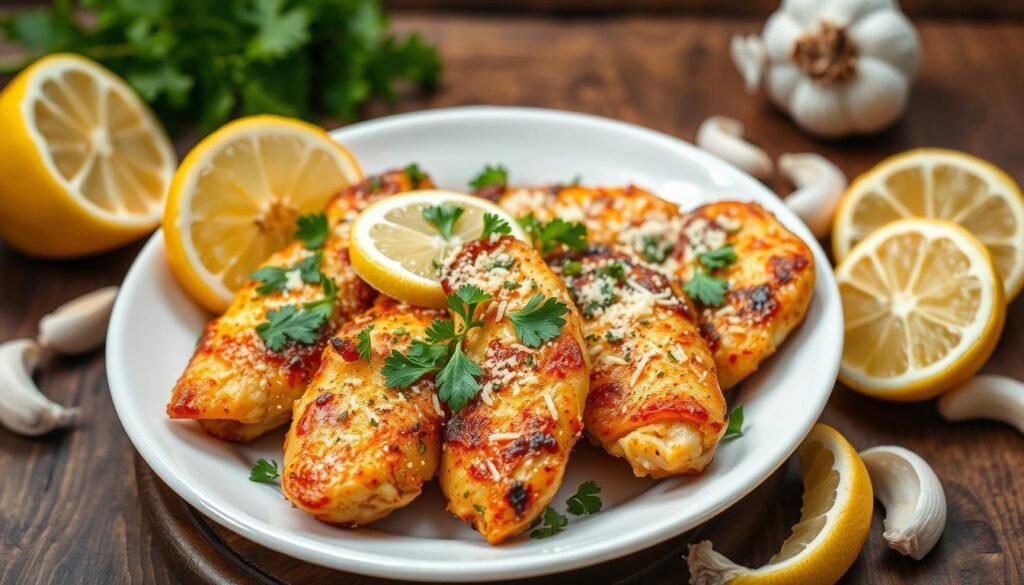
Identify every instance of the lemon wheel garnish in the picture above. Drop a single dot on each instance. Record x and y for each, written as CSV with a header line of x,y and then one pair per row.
x,y
923,309
84,163
398,252
941,184
237,195
834,522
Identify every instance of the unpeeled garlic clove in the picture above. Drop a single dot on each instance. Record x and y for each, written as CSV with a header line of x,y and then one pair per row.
x,y
819,185
750,57
915,503
80,325
23,408
723,137
989,396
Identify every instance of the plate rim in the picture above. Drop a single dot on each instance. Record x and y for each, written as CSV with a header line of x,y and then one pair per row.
x,y
560,560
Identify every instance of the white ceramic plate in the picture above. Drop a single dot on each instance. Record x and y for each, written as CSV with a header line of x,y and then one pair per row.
x,y
154,329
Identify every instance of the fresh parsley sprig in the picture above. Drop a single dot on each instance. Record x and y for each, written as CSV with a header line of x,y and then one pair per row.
x,y
707,289
494,225
275,278
548,236
443,218
302,326
735,427
415,174
490,176
586,499
548,524
312,229
538,321
264,471
364,344
456,373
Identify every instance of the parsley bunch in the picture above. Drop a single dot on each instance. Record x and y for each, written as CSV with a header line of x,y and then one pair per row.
x,y
205,62
707,289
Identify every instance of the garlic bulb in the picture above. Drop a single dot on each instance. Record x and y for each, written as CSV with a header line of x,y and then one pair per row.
x,y
723,137
915,503
79,325
23,408
838,67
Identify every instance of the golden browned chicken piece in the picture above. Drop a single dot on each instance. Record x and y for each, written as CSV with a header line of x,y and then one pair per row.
x,y
626,217
654,397
505,452
771,283
238,387
358,450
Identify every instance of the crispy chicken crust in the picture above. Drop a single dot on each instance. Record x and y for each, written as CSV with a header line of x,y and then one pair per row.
x,y
358,450
770,284
505,453
654,396
234,385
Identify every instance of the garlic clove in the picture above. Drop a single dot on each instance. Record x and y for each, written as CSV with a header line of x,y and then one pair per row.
x,y
723,137
993,397
819,186
748,54
23,408
820,110
889,36
915,503
877,97
79,325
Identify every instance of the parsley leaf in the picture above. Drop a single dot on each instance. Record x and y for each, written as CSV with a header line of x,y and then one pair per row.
x,y
364,345
547,236
735,427
550,523
264,471
290,323
415,174
278,31
402,370
441,330
539,321
491,175
572,268
586,499
654,249
575,182
719,258
614,270
465,300
275,278
443,218
456,384
706,289
494,225
312,230
325,306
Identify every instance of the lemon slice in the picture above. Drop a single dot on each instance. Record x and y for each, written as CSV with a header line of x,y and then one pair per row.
x,y
923,308
834,522
236,197
943,184
85,165
398,252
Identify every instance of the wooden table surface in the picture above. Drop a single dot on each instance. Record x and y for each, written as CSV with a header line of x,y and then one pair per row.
x,y
69,506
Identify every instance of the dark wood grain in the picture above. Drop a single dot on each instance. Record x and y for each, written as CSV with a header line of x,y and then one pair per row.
x,y
70,509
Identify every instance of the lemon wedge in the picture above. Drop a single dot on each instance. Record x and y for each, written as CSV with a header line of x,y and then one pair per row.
x,y
237,195
85,164
942,184
398,251
923,308
834,522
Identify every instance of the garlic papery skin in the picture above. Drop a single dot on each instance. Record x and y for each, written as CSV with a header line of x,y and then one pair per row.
x,y
915,503
819,185
80,325
23,408
989,397
837,67
723,137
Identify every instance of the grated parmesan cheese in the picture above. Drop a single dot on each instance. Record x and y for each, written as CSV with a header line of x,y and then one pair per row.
x,y
502,437
551,406
437,405
614,359
640,368
494,470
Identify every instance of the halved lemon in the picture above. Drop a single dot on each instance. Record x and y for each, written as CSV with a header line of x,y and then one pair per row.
x,y
84,164
399,252
923,308
236,197
834,522
942,184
